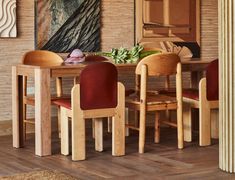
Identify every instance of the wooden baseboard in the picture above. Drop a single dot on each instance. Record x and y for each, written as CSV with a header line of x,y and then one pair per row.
x,y
6,127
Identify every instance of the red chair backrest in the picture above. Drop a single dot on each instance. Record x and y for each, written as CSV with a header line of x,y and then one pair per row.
x,y
98,86
95,58
212,79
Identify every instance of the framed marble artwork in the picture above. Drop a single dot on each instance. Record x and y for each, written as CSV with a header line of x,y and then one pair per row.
x,y
64,25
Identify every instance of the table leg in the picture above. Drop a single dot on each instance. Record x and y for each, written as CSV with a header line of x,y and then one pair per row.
x,y
42,112
17,109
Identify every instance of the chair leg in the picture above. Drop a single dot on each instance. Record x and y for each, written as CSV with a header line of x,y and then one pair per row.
x,y
99,134
187,119
204,126
136,118
64,132
127,121
78,138
142,131
168,115
180,128
24,108
59,122
25,124
109,124
93,128
215,123
25,132
118,135
157,128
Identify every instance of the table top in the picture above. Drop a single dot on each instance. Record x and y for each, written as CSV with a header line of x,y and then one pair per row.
x,y
194,61
68,70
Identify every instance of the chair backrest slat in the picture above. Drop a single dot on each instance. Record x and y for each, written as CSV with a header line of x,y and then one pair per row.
x,y
159,64
98,86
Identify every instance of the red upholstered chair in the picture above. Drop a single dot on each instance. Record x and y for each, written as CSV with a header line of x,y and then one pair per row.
x,y
95,58
97,95
205,99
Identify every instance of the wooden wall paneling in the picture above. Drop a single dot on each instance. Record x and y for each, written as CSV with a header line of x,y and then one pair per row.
x,y
209,29
117,24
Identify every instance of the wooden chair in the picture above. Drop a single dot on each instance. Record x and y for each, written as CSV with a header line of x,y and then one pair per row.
x,y
151,47
205,99
40,58
98,95
166,88
157,65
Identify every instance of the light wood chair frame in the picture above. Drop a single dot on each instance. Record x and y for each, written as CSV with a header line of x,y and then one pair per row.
x,y
205,112
46,59
143,107
79,116
137,83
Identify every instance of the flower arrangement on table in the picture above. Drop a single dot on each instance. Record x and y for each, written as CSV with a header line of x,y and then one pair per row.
x,y
123,55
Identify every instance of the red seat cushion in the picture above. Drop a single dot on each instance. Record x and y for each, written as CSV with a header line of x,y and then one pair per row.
x,y
191,93
66,103
167,91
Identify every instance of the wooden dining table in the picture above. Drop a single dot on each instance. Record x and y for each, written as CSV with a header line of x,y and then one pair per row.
x,y
42,76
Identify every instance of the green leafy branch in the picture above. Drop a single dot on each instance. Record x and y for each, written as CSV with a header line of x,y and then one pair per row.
x,y
123,55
